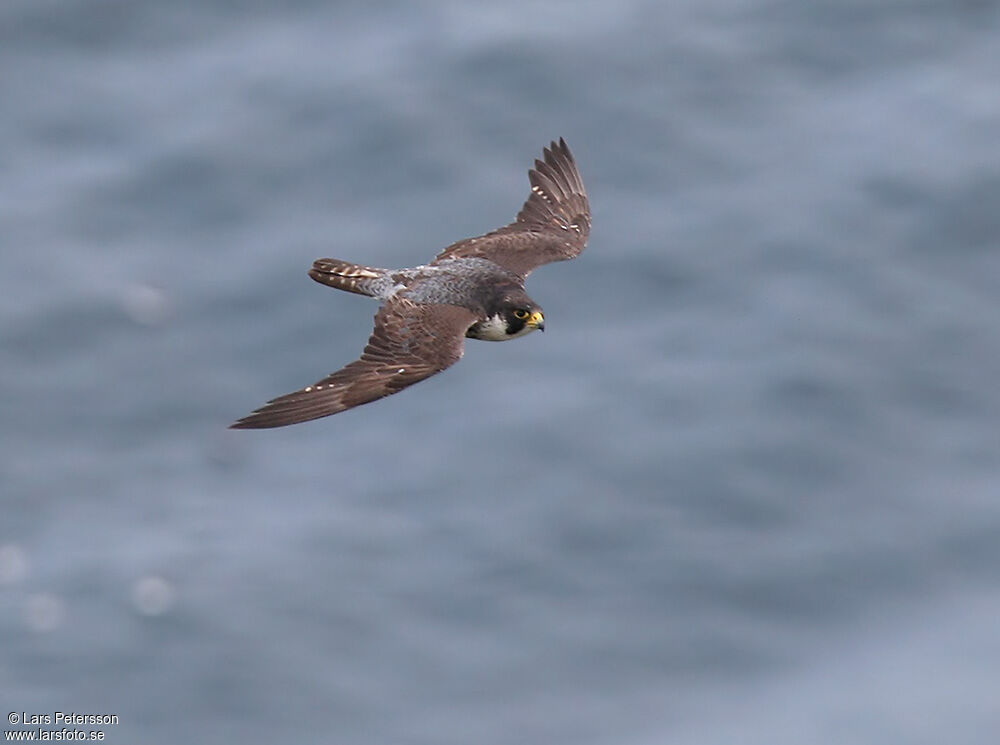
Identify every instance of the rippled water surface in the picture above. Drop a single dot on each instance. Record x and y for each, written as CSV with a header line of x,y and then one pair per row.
x,y
745,488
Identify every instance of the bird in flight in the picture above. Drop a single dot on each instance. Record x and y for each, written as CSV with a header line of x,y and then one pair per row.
x,y
474,288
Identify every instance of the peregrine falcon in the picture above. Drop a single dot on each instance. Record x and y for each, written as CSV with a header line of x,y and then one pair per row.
x,y
474,288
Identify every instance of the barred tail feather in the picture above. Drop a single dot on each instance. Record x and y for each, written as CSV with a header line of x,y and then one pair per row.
x,y
343,275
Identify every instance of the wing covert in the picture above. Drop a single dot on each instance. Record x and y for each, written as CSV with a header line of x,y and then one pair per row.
x,y
410,342
553,224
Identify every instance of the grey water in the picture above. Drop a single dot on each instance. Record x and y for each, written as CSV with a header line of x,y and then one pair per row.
x,y
744,489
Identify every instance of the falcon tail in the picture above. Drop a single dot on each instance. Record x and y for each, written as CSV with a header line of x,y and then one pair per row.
x,y
343,275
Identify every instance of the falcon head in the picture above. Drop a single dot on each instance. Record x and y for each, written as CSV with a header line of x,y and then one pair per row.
x,y
521,321
511,318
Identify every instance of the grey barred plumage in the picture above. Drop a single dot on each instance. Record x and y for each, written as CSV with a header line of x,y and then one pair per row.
x,y
474,288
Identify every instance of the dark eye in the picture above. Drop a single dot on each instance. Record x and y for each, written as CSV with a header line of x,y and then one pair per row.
x,y
521,314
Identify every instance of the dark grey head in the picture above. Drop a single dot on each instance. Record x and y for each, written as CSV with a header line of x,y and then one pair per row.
x,y
512,315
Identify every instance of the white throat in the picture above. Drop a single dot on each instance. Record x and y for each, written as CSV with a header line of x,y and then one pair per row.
x,y
494,328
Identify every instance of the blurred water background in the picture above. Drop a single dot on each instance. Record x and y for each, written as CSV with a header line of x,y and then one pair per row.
x,y
745,488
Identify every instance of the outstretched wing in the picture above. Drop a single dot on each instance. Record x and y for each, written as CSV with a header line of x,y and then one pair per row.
x,y
410,342
553,224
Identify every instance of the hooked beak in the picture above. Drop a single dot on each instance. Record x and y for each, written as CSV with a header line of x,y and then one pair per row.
x,y
536,321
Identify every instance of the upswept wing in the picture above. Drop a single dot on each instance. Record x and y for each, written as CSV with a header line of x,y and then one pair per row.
x,y
553,224
410,342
